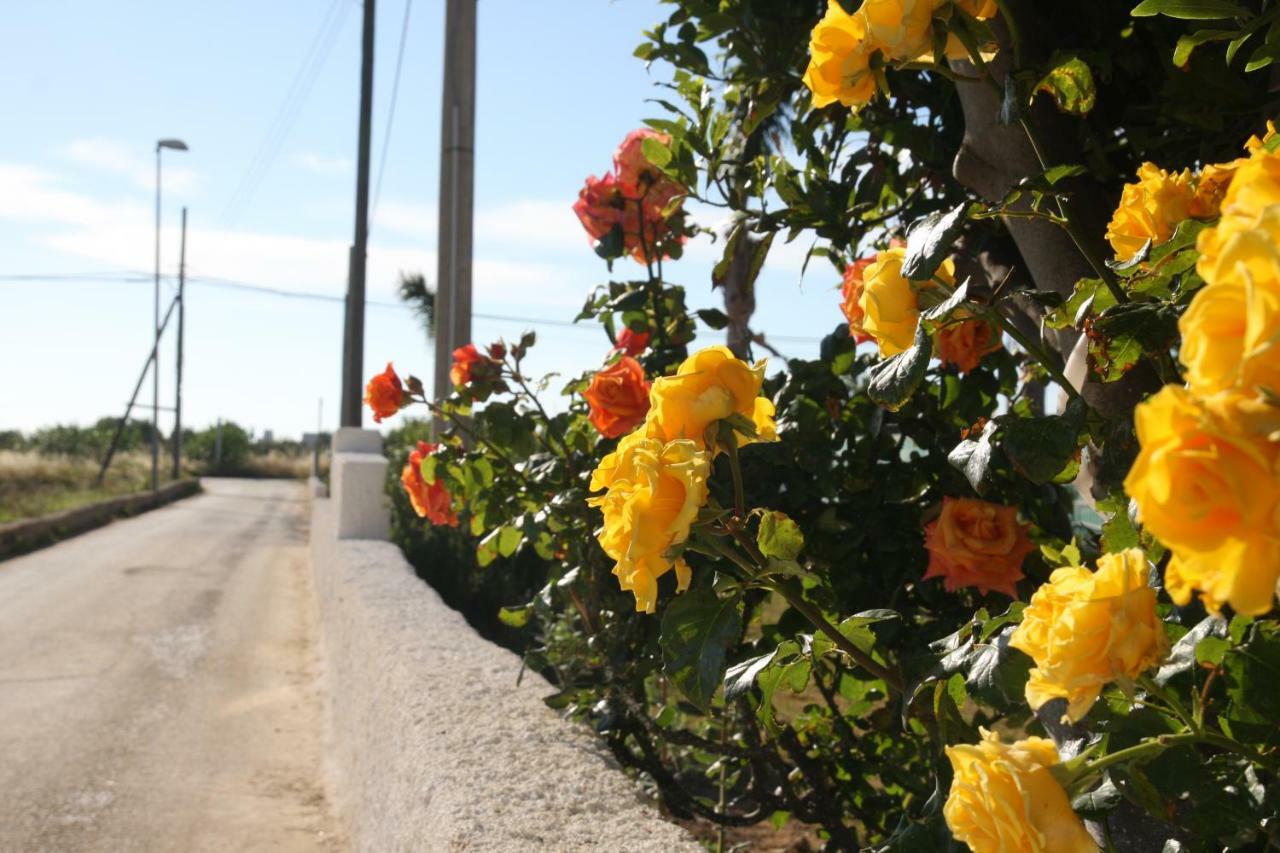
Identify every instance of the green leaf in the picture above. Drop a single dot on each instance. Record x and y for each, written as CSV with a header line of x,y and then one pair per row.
x,y
1183,654
741,677
973,457
656,152
697,630
779,537
1041,449
894,380
515,617
1188,43
713,317
930,240
1091,295
938,314
1071,85
1189,10
996,673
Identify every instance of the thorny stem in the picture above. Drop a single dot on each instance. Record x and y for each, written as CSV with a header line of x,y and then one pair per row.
x,y
815,616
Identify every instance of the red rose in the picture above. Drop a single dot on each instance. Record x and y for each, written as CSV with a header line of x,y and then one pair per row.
x,y
632,343
431,501
851,292
635,172
384,394
464,360
619,397
965,343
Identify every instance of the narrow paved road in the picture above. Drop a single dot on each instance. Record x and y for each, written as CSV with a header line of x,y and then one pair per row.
x,y
158,683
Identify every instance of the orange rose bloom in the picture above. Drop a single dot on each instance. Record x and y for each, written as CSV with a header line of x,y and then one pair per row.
x,y
965,343
851,291
632,343
384,394
463,359
430,500
619,397
975,543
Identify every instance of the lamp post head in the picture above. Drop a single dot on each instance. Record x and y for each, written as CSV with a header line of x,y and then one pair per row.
x,y
175,144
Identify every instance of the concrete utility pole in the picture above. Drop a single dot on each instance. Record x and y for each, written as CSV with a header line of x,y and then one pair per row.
x,y
457,183
353,337
182,312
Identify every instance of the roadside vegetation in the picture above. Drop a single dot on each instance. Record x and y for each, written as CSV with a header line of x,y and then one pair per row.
x,y
56,468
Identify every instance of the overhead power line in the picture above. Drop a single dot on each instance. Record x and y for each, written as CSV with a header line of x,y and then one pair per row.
x,y
391,112
294,99
217,282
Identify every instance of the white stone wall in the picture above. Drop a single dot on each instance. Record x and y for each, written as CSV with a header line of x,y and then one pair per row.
x,y
433,747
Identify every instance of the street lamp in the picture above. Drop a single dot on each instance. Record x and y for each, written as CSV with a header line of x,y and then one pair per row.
x,y
176,145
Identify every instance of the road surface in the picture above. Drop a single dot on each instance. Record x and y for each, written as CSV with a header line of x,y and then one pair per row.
x,y
158,683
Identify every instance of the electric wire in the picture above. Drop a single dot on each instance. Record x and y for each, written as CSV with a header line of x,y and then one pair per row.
x,y
289,110
391,112
220,283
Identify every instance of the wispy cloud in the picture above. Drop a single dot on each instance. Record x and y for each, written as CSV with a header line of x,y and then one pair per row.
x,y
321,164
138,166
120,233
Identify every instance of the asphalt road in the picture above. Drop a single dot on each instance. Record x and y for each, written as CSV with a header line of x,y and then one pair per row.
x,y
158,683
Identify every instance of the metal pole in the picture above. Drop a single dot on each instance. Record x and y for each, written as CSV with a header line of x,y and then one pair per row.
x,y
457,167
182,311
155,376
142,377
354,338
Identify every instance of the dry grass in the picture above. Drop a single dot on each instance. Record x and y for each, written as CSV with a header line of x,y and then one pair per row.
x,y
32,484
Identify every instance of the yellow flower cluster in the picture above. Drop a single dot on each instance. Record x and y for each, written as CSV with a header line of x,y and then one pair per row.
x,y
1086,629
1206,479
891,310
656,480
1004,799
847,51
1154,206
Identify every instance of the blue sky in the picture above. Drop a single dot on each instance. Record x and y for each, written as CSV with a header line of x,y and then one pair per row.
x,y
91,86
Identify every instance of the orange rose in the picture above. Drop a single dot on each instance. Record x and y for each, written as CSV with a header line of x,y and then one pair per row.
x,y
635,173
464,360
632,343
619,397
975,543
965,343
384,394
430,500
851,291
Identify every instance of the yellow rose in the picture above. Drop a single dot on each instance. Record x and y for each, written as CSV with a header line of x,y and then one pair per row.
x,y
840,60
899,28
1206,485
1231,330
654,492
1149,210
1085,629
980,9
1254,143
1211,188
1254,187
1004,799
710,385
890,309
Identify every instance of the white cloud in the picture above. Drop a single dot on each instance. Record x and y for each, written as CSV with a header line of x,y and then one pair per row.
x,y
115,157
322,165
122,234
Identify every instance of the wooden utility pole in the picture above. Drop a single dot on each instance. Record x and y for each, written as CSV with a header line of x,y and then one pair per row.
x,y
457,184
353,336
182,315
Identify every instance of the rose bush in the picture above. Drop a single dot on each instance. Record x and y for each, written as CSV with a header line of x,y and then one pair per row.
x,y
1048,386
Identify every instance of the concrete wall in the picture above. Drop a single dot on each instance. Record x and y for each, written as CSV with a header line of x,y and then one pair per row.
x,y
433,747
